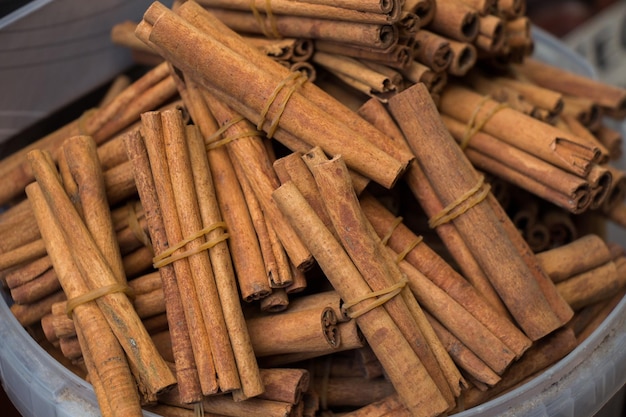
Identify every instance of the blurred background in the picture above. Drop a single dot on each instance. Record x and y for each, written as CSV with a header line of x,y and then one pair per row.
x,y
594,28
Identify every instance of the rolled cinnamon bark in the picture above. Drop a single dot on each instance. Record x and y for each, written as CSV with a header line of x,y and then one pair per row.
x,y
257,167
347,333
459,321
617,192
491,36
167,22
401,238
244,245
367,12
361,244
592,286
209,24
423,191
395,354
501,159
464,57
543,98
600,181
417,72
456,20
284,384
154,373
148,301
107,361
610,97
434,50
373,82
157,163
84,166
29,314
511,280
549,143
464,357
222,267
573,125
378,35
293,332
37,288
396,56
186,199
424,9
25,253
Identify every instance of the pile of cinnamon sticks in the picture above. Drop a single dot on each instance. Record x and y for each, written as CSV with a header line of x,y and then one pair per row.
x,y
236,234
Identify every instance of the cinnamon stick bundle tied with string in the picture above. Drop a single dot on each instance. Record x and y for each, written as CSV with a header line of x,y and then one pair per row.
x,y
397,357
378,269
113,381
246,245
541,139
208,24
118,311
162,26
523,169
537,321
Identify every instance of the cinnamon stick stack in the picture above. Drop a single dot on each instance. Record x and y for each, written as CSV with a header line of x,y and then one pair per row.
x,y
249,258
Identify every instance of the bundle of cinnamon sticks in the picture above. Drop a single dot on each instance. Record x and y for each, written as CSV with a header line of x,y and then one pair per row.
x,y
235,234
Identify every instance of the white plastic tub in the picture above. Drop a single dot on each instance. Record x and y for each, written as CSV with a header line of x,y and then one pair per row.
x,y
577,386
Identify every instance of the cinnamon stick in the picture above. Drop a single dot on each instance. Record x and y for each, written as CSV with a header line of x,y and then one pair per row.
x,y
291,332
456,20
434,50
84,166
369,12
592,286
610,97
